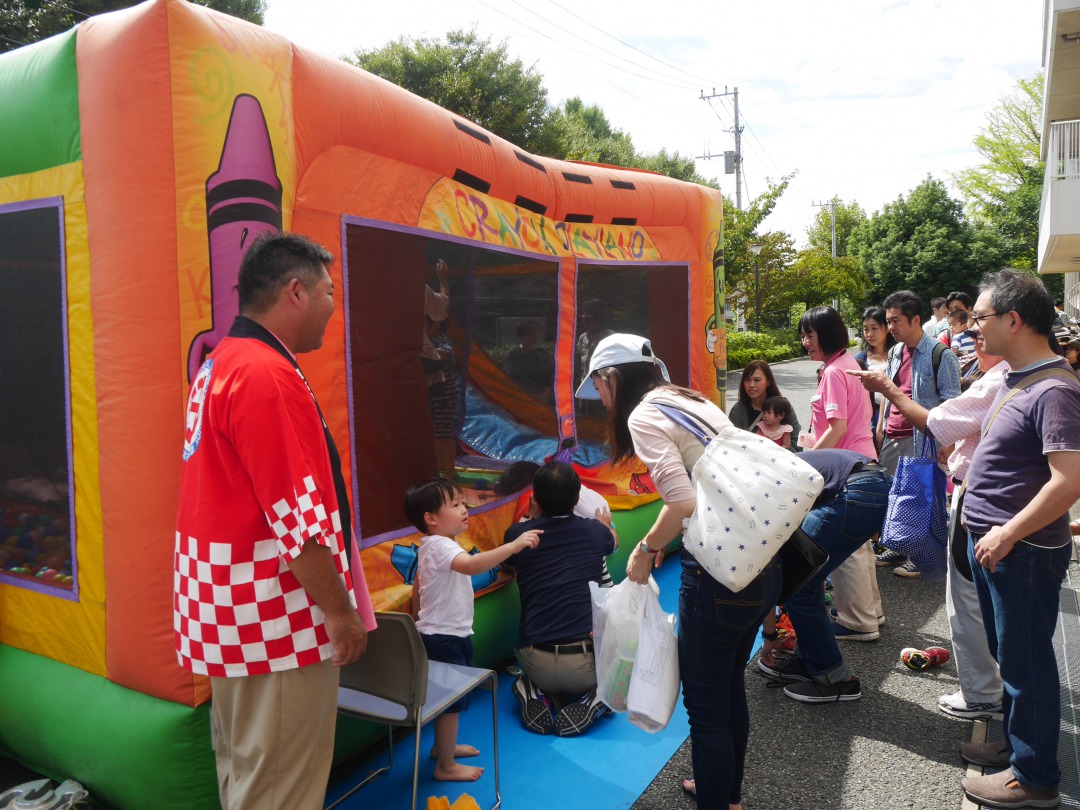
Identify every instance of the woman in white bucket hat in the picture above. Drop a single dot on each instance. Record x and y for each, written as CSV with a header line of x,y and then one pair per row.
x,y
717,627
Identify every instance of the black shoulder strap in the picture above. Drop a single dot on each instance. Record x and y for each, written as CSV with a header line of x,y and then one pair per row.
x,y
244,327
935,355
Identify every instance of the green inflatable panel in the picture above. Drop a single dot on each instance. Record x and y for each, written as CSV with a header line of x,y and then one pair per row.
x,y
132,751
39,106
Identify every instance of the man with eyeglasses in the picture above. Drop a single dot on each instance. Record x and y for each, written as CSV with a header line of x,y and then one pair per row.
x,y
1024,477
927,373
957,426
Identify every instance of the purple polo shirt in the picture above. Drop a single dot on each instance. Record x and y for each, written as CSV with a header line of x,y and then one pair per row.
x,y
1010,467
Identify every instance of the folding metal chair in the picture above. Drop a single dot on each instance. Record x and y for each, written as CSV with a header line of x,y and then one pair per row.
x,y
395,683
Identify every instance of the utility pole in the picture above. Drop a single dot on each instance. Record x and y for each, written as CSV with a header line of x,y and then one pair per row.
x,y
831,205
736,158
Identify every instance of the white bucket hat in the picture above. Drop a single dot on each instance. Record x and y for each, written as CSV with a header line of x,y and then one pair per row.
x,y
615,350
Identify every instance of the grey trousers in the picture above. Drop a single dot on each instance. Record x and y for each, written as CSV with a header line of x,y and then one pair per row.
x,y
980,678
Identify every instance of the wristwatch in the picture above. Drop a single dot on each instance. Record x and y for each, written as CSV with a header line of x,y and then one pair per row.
x,y
773,636
644,547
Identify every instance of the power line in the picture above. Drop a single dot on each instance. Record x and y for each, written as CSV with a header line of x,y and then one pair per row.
x,y
681,83
564,45
628,45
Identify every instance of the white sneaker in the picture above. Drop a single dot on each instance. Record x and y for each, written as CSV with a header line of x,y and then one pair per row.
x,y
955,705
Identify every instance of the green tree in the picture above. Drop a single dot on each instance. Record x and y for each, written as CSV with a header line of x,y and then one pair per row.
x,y
473,78
26,21
770,278
816,277
849,215
923,243
1004,192
740,232
585,134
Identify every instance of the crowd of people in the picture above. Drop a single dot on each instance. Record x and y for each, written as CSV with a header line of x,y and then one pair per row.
x,y
271,614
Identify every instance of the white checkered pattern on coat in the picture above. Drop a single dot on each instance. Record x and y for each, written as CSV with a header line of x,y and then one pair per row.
x,y
240,610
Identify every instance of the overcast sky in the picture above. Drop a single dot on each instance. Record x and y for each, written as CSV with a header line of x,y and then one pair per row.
x,y
863,98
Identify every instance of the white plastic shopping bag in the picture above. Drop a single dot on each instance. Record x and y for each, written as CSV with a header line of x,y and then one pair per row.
x,y
654,684
615,647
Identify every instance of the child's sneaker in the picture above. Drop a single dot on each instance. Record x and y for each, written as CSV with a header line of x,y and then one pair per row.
x,y
914,658
938,655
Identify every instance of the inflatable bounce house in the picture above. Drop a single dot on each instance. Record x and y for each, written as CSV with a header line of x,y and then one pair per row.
x,y
139,154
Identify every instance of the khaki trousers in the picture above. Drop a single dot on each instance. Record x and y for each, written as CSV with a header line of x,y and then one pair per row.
x,y
855,589
274,737
558,673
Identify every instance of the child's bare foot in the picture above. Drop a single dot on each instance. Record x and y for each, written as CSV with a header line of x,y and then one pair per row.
x,y
460,751
458,773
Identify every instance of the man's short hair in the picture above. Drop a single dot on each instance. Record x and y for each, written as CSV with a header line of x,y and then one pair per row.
x,y
958,316
962,297
1016,291
272,260
556,488
428,496
907,302
936,303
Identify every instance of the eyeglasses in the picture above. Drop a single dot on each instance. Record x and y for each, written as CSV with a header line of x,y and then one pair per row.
x,y
978,319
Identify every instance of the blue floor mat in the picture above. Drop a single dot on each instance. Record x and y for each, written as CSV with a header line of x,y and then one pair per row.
x,y
609,766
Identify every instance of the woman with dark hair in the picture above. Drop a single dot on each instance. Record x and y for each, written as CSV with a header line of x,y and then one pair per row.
x,y
717,627
876,342
840,412
757,385
840,415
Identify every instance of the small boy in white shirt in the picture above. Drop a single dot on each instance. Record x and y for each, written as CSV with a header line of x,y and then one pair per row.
x,y
443,601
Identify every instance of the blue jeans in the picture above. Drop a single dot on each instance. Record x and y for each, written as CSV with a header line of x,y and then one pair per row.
x,y
840,525
717,631
1019,604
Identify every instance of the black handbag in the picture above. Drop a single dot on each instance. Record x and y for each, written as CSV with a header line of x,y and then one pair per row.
x,y
800,558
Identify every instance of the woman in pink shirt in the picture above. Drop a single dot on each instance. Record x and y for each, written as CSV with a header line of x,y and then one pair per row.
x,y
839,412
840,415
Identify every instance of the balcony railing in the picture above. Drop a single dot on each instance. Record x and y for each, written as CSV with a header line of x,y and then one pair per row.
x,y
1063,154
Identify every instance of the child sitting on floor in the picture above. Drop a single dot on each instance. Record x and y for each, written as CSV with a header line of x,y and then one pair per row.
x,y
775,421
443,601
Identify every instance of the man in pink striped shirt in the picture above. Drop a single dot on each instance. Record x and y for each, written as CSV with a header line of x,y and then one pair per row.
x,y
956,425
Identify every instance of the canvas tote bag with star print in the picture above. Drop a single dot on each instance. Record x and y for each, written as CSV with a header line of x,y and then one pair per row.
x,y
751,497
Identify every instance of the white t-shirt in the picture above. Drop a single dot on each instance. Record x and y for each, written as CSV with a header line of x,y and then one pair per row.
x,y
588,502
446,597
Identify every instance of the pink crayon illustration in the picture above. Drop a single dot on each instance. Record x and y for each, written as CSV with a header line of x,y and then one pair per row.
x,y
243,199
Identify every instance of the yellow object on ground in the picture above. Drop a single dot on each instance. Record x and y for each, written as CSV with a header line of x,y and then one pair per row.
x,y
462,802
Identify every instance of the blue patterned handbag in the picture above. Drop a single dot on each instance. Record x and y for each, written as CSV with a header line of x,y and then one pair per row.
x,y
917,520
